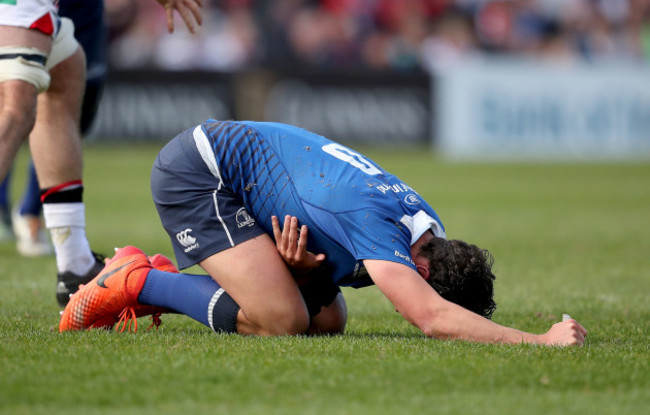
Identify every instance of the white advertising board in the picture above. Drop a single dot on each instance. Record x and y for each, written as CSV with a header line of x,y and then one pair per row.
x,y
528,110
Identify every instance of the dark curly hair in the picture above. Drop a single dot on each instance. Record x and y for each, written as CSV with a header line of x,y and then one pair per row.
x,y
461,273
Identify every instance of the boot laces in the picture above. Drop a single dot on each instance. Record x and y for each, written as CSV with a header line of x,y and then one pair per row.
x,y
129,319
155,321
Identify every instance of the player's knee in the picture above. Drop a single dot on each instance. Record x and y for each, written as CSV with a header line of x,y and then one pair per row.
x,y
19,113
331,324
287,322
331,319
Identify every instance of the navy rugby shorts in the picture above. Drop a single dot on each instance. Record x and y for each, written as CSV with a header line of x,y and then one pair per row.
x,y
200,217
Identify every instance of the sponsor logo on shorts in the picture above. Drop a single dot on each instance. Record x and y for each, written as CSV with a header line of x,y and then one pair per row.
x,y
243,218
411,199
186,239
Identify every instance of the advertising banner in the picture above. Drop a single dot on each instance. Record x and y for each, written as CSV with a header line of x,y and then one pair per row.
x,y
508,109
351,108
362,109
152,105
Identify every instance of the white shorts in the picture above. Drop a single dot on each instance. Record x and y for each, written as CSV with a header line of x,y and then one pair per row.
x,y
41,15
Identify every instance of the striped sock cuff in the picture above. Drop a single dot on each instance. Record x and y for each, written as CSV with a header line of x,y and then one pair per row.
x,y
68,192
222,312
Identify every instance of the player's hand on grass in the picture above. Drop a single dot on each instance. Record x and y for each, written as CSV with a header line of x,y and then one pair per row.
x,y
189,10
565,333
293,247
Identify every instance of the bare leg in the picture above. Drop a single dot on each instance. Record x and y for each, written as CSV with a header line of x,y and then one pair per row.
x,y
55,141
17,115
55,144
257,279
17,97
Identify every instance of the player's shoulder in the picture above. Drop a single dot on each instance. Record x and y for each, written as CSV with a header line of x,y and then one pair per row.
x,y
276,129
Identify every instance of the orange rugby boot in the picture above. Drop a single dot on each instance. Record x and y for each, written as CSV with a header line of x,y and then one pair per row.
x,y
110,296
162,263
129,319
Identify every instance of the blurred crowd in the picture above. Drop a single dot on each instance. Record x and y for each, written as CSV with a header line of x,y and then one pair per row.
x,y
383,35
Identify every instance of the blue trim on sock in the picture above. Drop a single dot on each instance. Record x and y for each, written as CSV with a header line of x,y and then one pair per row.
x,y
184,293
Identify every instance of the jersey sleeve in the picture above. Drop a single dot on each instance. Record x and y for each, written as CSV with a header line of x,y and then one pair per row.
x,y
365,233
375,235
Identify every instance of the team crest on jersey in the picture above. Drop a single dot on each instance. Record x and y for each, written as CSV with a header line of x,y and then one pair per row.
x,y
243,218
411,199
186,239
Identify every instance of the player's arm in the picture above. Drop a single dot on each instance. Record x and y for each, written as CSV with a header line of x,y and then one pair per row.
x,y
189,10
293,247
436,317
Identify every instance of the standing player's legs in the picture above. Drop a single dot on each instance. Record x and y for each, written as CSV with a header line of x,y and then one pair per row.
x,y
90,33
55,145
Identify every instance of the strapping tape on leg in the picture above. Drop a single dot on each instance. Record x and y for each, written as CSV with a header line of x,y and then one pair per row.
x,y
25,64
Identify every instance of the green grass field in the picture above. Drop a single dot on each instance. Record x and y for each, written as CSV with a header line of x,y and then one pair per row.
x,y
566,237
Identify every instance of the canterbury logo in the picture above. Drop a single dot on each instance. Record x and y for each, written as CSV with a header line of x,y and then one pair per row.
x,y
187,240
184,237
100,280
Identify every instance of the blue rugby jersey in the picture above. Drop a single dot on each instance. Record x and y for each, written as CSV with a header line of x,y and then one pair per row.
x,y
353,208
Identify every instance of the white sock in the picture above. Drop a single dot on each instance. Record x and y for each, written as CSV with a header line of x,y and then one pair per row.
x,y
67,225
